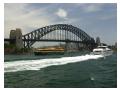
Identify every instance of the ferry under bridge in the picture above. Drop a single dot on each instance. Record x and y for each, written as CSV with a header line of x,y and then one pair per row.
x,y
54,33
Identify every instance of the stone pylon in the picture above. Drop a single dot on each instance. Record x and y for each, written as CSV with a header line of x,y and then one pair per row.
x,y
17,35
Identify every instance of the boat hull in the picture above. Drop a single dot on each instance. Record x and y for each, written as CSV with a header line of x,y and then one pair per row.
x,y
104,53
48,53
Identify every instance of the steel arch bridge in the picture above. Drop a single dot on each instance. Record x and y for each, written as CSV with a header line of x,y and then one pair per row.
x,y
79,36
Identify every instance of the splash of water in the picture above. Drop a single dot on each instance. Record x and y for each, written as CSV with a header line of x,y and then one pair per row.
x,y
15,66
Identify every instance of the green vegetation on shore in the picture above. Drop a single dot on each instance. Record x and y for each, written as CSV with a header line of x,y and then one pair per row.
x,y
12,49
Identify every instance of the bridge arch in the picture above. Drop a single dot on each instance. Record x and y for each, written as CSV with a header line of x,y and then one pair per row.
x,y
36,35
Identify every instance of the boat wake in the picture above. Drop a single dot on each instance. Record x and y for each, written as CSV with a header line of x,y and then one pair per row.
x,y
15,66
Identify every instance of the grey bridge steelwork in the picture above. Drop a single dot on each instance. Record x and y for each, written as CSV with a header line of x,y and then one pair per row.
x,y
30,38
37,35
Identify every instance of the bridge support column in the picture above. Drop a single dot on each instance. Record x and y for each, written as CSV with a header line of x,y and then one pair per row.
x,y
17,35
13,36
19,41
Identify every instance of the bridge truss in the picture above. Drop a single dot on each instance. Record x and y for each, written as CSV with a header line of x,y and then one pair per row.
x,y
59,33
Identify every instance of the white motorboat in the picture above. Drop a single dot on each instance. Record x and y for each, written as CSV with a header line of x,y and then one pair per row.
x,y
102,50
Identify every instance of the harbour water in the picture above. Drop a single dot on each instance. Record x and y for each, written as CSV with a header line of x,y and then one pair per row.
x,y
72,70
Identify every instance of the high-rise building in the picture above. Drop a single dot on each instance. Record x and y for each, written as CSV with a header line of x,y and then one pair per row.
x,y
98,41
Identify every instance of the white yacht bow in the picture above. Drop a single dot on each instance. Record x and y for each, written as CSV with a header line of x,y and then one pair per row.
x,y
102,50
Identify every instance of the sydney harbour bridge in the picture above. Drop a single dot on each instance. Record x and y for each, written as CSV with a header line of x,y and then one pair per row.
x,y
52,33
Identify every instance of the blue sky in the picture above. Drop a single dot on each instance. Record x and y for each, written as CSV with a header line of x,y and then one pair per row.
x,y
98,19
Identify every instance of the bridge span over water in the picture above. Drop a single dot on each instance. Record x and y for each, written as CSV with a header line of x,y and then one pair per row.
x,y
52,33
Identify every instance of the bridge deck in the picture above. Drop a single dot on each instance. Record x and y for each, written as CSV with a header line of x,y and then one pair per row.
x,y
48,40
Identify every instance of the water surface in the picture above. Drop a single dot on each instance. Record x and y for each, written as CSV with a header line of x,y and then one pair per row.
x,y
70,70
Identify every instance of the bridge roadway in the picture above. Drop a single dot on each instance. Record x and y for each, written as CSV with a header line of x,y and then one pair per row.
x,y
44,40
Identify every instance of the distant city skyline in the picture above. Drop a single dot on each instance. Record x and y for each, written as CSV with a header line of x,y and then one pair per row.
x,y
97,20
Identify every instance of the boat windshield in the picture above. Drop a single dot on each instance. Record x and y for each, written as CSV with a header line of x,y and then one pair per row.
x,y
97,51
102,47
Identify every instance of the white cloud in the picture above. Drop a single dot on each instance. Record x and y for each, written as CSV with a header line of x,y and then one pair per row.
x,y
61,13
92,7
20,16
